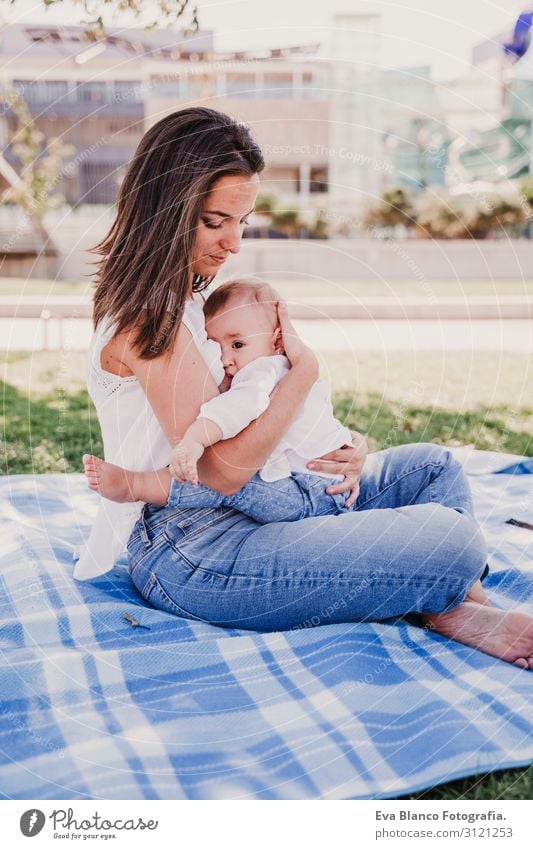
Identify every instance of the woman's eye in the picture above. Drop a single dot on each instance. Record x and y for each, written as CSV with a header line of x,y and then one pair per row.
x,y
245,221
212,226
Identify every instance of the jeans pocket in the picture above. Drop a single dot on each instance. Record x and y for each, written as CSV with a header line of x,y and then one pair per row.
x,y
156,595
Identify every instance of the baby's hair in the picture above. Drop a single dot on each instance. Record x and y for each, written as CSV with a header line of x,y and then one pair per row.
x,y
250,289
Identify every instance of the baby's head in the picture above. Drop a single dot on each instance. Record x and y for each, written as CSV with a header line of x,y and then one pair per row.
x,y
241,315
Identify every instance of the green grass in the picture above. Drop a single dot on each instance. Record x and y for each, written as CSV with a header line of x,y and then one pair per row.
x,y
296,287
505,784
483,399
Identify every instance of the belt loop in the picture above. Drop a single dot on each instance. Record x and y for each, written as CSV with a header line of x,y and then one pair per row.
x,y
143,529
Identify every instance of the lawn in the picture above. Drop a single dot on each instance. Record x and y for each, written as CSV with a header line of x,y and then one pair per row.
x,y
483,399
460,398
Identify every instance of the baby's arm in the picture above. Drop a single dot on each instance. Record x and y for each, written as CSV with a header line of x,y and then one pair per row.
x,y
186,453
226,415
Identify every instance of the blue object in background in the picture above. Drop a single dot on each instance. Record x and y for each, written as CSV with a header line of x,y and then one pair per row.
x,y
521,37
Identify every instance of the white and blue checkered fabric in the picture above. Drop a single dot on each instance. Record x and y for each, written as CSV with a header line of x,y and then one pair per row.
x,y
93,707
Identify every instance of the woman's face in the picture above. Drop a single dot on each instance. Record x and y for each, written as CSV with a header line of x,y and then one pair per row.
x,y
222,221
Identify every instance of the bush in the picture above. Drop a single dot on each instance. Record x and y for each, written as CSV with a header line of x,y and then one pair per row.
x,y
394,207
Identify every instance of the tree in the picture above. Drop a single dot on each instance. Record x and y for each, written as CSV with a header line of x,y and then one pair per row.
x,y
35,191
526,194
168,11
440,216
265,204
495,215
393,207
287,220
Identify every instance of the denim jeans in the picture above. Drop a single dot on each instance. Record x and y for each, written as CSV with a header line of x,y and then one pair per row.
x,y
288,500
409,545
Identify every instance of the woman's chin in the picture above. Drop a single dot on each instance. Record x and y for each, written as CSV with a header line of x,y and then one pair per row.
x,y
207,268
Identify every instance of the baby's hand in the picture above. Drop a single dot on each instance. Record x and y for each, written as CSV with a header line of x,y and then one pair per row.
x,y
183,460
294,347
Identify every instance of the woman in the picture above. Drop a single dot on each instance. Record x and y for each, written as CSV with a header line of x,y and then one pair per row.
x,y
413,545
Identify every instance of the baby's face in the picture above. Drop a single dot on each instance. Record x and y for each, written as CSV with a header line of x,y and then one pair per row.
x,y
244,333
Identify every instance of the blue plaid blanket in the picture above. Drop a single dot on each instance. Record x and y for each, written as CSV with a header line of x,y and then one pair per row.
x,y
95,707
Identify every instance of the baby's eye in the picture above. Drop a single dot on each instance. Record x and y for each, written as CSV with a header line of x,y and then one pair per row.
x,y
237,345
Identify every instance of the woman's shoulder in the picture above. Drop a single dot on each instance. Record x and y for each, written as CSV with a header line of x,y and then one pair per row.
x,y
193,316
116,353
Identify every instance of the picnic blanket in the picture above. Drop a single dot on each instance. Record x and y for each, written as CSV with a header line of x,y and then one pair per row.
x,y
95,707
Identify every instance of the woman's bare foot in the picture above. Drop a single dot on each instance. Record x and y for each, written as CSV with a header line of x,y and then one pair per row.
x,y
123,485
477,593
505,634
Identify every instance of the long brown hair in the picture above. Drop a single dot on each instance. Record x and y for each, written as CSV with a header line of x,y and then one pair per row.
x,y
145,274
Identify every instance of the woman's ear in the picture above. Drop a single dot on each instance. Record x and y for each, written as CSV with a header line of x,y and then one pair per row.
x,y
277,340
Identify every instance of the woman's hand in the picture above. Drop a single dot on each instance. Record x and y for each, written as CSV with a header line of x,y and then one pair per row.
x,y
348,461
295,350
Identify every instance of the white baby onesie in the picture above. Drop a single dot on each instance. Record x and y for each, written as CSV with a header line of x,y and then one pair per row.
x,y
315,430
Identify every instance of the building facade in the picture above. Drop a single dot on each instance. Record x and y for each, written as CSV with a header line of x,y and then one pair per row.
x,y
336,129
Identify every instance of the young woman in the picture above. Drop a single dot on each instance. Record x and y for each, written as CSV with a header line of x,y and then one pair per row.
x,y
412,545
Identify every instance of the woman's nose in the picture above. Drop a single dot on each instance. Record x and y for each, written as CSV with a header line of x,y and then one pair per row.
x,y
231,240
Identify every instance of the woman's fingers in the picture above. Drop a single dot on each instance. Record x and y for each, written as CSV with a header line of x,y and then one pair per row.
x,y
352,498
328,467
347,460
349,483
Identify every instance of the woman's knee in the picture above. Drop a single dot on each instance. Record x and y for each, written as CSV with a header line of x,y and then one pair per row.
x,y
466,546
437,454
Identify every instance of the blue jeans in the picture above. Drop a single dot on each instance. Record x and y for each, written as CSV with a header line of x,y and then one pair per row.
x,y
288,500
410,545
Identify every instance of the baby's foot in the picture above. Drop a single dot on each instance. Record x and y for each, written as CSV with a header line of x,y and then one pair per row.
x,y
111,481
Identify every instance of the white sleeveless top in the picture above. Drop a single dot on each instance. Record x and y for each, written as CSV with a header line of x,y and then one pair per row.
x,y
132,436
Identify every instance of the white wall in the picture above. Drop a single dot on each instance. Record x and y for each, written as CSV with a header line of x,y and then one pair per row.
x,y
363,259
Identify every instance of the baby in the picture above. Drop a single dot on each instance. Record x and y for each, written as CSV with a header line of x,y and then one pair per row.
x,y
241,316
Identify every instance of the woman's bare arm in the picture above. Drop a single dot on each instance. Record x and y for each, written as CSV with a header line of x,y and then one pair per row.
x,y
176,386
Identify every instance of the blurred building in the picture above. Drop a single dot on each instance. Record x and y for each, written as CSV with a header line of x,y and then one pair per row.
x,y
90,93
102,95
488,111
336,129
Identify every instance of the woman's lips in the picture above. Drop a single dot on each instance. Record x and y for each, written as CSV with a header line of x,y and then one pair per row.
x,y
218,259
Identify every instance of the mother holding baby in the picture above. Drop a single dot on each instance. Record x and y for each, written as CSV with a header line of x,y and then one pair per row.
x,y
406,541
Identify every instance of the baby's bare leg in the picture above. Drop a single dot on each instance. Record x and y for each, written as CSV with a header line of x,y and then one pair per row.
x,y
123,485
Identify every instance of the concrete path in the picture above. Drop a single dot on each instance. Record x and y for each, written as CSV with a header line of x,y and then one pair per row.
x,y
322,335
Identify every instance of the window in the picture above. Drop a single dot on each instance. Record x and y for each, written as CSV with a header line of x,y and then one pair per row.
x,y
128,90
278,85
198,85
521,96
165,87
318,182
309,86
55,90
99,182
42,91
241,85
91,92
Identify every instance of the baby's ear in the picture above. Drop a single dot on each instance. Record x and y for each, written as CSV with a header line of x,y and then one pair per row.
x,y
277,340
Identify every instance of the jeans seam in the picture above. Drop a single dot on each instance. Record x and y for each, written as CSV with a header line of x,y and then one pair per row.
x,y
401,477
398,578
